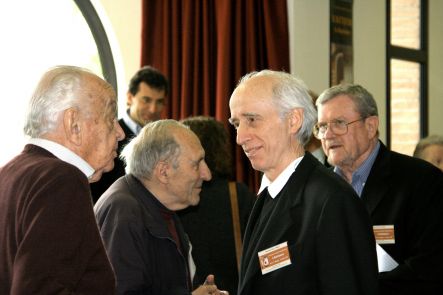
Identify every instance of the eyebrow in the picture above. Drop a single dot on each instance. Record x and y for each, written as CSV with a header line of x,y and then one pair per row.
x,y
151,98
246,115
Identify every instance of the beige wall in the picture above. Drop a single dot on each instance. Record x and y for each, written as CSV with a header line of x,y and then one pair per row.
x,y
309,37
122,20
309,29
436,67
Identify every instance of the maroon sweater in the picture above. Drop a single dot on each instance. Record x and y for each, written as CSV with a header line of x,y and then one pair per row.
x,y
49,240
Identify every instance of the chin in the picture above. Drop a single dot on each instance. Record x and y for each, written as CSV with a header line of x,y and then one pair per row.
x,y
109,167
195,201
95,177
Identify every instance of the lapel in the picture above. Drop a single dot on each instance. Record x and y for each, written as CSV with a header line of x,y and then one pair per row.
x,y
280,220
247,249
377,184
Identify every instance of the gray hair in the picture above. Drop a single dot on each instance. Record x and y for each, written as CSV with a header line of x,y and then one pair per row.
x,y
156,142
290,92
57,91
425,142
363,100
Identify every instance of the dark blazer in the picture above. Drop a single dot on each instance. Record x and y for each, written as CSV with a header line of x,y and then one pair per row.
x,y
329,236
408,193
108,178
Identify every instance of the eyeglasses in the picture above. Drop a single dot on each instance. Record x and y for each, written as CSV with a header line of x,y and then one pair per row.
x,y
338,127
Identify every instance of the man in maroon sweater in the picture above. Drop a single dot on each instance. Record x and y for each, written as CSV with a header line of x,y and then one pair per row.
x,y
49,240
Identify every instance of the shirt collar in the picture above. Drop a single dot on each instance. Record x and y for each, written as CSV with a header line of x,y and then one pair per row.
x,y
132,125
362,173
64,154
277,185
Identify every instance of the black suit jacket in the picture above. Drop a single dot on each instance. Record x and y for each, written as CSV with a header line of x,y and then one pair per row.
x,y
108,178
408,193
329,237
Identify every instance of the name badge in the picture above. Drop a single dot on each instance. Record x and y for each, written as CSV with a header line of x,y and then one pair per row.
x,y
274,258
384,234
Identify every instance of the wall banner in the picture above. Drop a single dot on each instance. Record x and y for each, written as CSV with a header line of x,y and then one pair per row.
x,y
341,50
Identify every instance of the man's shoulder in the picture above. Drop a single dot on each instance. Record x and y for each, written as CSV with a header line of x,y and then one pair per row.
x,y
398,163
125,127
35,160
319,180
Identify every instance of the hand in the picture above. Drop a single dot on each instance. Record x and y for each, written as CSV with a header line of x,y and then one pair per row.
x,y
209,288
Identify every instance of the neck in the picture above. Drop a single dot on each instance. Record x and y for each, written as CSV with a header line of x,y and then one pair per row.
x,y
296,152
348,169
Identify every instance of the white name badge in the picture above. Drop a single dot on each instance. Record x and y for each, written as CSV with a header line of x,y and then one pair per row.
x,y
274,258
384,234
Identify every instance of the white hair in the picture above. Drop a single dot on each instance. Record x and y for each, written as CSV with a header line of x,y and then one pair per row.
x,y
290,92
57,90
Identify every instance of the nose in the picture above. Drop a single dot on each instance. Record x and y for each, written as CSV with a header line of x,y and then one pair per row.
x,y
119,131
205,173
242,134
152,107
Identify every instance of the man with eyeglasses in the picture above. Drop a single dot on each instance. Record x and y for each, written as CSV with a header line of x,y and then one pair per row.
x,y
403,195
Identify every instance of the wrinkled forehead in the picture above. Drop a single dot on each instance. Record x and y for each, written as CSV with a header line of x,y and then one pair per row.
x,y
250,95
339,106
100,95
190,144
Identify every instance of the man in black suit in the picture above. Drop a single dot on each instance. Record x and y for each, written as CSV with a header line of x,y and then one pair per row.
x,y
146,98
403,195
308,233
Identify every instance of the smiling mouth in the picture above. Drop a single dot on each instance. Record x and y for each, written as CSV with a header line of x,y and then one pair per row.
x,y
250,152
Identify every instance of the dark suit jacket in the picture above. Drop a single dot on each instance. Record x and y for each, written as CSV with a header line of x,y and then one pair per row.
x,y
329,236
408,193
108,178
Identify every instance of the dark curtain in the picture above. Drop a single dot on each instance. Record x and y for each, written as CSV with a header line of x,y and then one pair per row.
x,y
205,46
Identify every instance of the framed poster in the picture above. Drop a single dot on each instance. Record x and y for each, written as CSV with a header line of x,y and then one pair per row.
x,y
341,51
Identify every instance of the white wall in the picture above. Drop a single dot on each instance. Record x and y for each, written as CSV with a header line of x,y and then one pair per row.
x,y
369,35
309,30
122,20
309,42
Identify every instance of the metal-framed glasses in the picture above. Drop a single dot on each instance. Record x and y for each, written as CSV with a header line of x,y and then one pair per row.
x,y
338,127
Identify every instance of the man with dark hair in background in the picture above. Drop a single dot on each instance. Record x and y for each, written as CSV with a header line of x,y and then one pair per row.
x,y
146,98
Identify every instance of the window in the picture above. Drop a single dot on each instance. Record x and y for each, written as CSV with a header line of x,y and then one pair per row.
x,y
406,73
35,38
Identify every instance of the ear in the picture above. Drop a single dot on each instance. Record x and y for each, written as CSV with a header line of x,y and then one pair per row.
x,y
72,126
162,171
371,124
295,120
129,98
